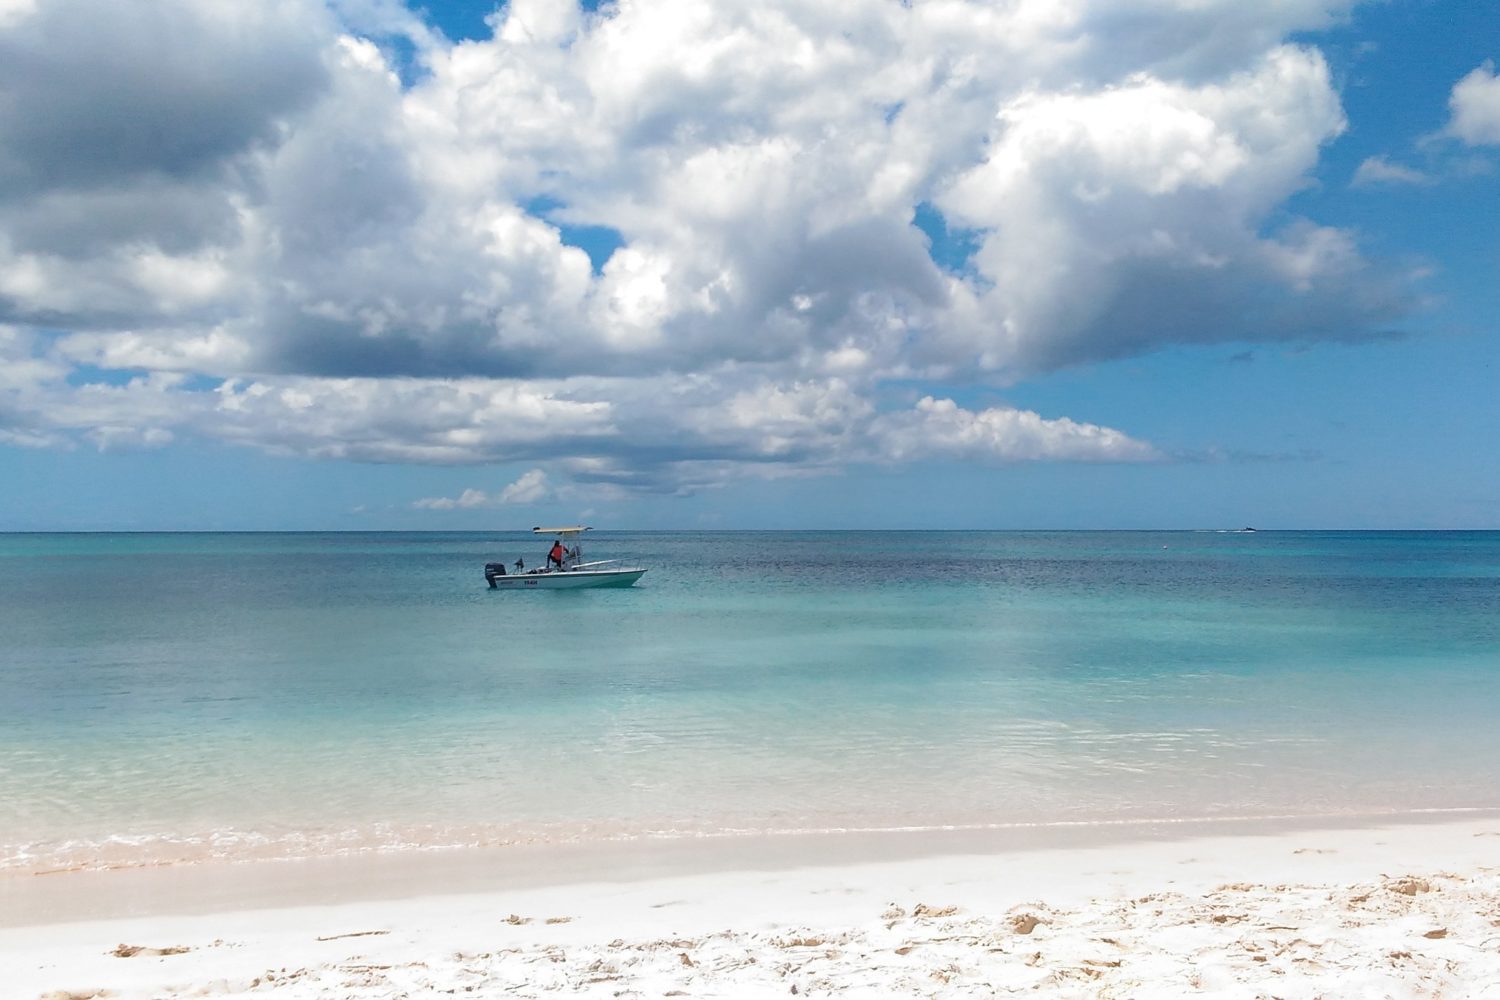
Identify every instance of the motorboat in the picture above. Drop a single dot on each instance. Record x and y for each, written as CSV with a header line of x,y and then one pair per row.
x,y
567,571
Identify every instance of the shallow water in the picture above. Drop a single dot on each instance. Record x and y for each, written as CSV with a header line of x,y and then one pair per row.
x,y
169,697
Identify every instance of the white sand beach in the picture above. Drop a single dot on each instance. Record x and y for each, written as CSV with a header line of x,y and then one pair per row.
x,y
1399,910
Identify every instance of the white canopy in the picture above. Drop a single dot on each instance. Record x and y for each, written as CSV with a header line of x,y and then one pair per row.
x,y
559,531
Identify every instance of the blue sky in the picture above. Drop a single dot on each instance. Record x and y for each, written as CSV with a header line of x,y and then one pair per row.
x,y
673,265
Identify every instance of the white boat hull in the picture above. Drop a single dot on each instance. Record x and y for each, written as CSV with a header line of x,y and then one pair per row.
x,y
574,579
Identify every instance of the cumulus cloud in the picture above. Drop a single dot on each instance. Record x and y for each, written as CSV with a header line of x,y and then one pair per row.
x,y
280,241
529,488
1121,220
101,93
1474,106
127,141
1379,170
940,428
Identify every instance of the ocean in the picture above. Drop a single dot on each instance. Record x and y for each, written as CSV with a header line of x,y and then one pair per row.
x,y
177,697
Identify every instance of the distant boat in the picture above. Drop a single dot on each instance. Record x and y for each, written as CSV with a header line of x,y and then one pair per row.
x,y
1247,529
568,572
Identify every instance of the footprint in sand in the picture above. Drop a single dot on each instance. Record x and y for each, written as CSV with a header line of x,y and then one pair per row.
x,y
1315,850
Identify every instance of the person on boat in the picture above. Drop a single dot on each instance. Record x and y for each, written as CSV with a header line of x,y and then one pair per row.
x,y
557,554
520,564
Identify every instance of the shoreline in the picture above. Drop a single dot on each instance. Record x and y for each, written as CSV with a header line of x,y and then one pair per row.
x,y
1415,905
226,883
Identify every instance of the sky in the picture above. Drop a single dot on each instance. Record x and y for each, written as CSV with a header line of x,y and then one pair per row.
x,y
665,264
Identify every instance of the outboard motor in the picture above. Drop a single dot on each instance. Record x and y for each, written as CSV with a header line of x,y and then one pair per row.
x,y
492,570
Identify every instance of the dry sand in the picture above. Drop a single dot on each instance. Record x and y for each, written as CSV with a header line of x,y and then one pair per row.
x,y
1380,911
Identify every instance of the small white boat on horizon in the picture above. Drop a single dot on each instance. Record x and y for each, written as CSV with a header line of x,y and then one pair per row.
x,y
564,569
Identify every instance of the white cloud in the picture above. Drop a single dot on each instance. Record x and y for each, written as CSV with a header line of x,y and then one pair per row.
x,y
531,487
940,428
666,435
1380,170
379,272
14,11
39,408
405,420
1119,220
21,366
109,437
1475,107
214,351
470,498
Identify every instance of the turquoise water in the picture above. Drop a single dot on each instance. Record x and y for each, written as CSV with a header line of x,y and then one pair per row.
x,y
170,697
